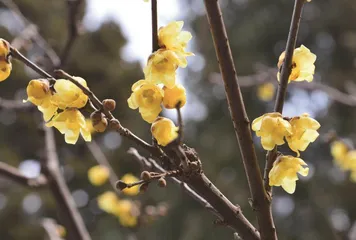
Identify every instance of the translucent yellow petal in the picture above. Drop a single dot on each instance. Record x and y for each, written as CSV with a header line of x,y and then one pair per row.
x,y
289,186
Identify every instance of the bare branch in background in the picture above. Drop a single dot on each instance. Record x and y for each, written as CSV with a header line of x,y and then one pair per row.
x,y
260,200
15,175
154,25
72,220
73,7
51,54
14,105
50,226
284,79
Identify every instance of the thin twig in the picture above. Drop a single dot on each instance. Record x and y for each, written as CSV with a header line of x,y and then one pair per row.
x,y
282,89
180,124
15,175
155,46
241,122
151,164
72,220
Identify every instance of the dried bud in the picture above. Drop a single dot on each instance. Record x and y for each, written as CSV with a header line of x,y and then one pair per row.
x,y
194,166
162,182
109,104
96,117
145,175
144,187
121,185
101,126
115,124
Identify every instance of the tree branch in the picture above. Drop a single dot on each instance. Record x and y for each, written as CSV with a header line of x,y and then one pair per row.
x,y
282,89
72,220
73,7
155,46
15,175
240,120
51,228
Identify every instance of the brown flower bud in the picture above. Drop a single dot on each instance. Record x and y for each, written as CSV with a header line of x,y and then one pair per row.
x,y
101,126
145,175
109,104
96,117
121,185
162,182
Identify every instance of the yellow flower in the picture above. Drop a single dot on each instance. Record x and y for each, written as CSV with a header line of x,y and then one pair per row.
x,y
107,202
174,95
304,131
348,162
284,172
272,129
39,93
5,70
67,94
302,64
71,123
127,213
147,97
98,175
164,131
339,151
5,65
265,92
89,124
129,178
173,38
161,67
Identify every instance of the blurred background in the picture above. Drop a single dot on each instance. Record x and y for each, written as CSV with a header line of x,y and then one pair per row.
x,y
114,44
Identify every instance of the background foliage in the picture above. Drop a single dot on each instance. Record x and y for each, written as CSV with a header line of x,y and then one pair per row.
x,y
323,205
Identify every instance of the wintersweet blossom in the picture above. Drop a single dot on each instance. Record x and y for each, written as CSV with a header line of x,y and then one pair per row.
x,y
98,175
39,93
68,95
5,64
339,150
127,213
107,202
129,178
148,98
284,172
71,123
302,65
272,129
304,131
174,95
161,67
265,92
173,38
164,131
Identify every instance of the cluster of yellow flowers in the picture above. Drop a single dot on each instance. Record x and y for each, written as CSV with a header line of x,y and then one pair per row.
x,y
60,104
5,64
126,210
344,157
159,86
298,131
109,202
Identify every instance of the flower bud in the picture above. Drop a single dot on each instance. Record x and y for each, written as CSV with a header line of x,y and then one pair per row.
x,y
37,88
109,104
101,126
162,182
121,185
145,175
